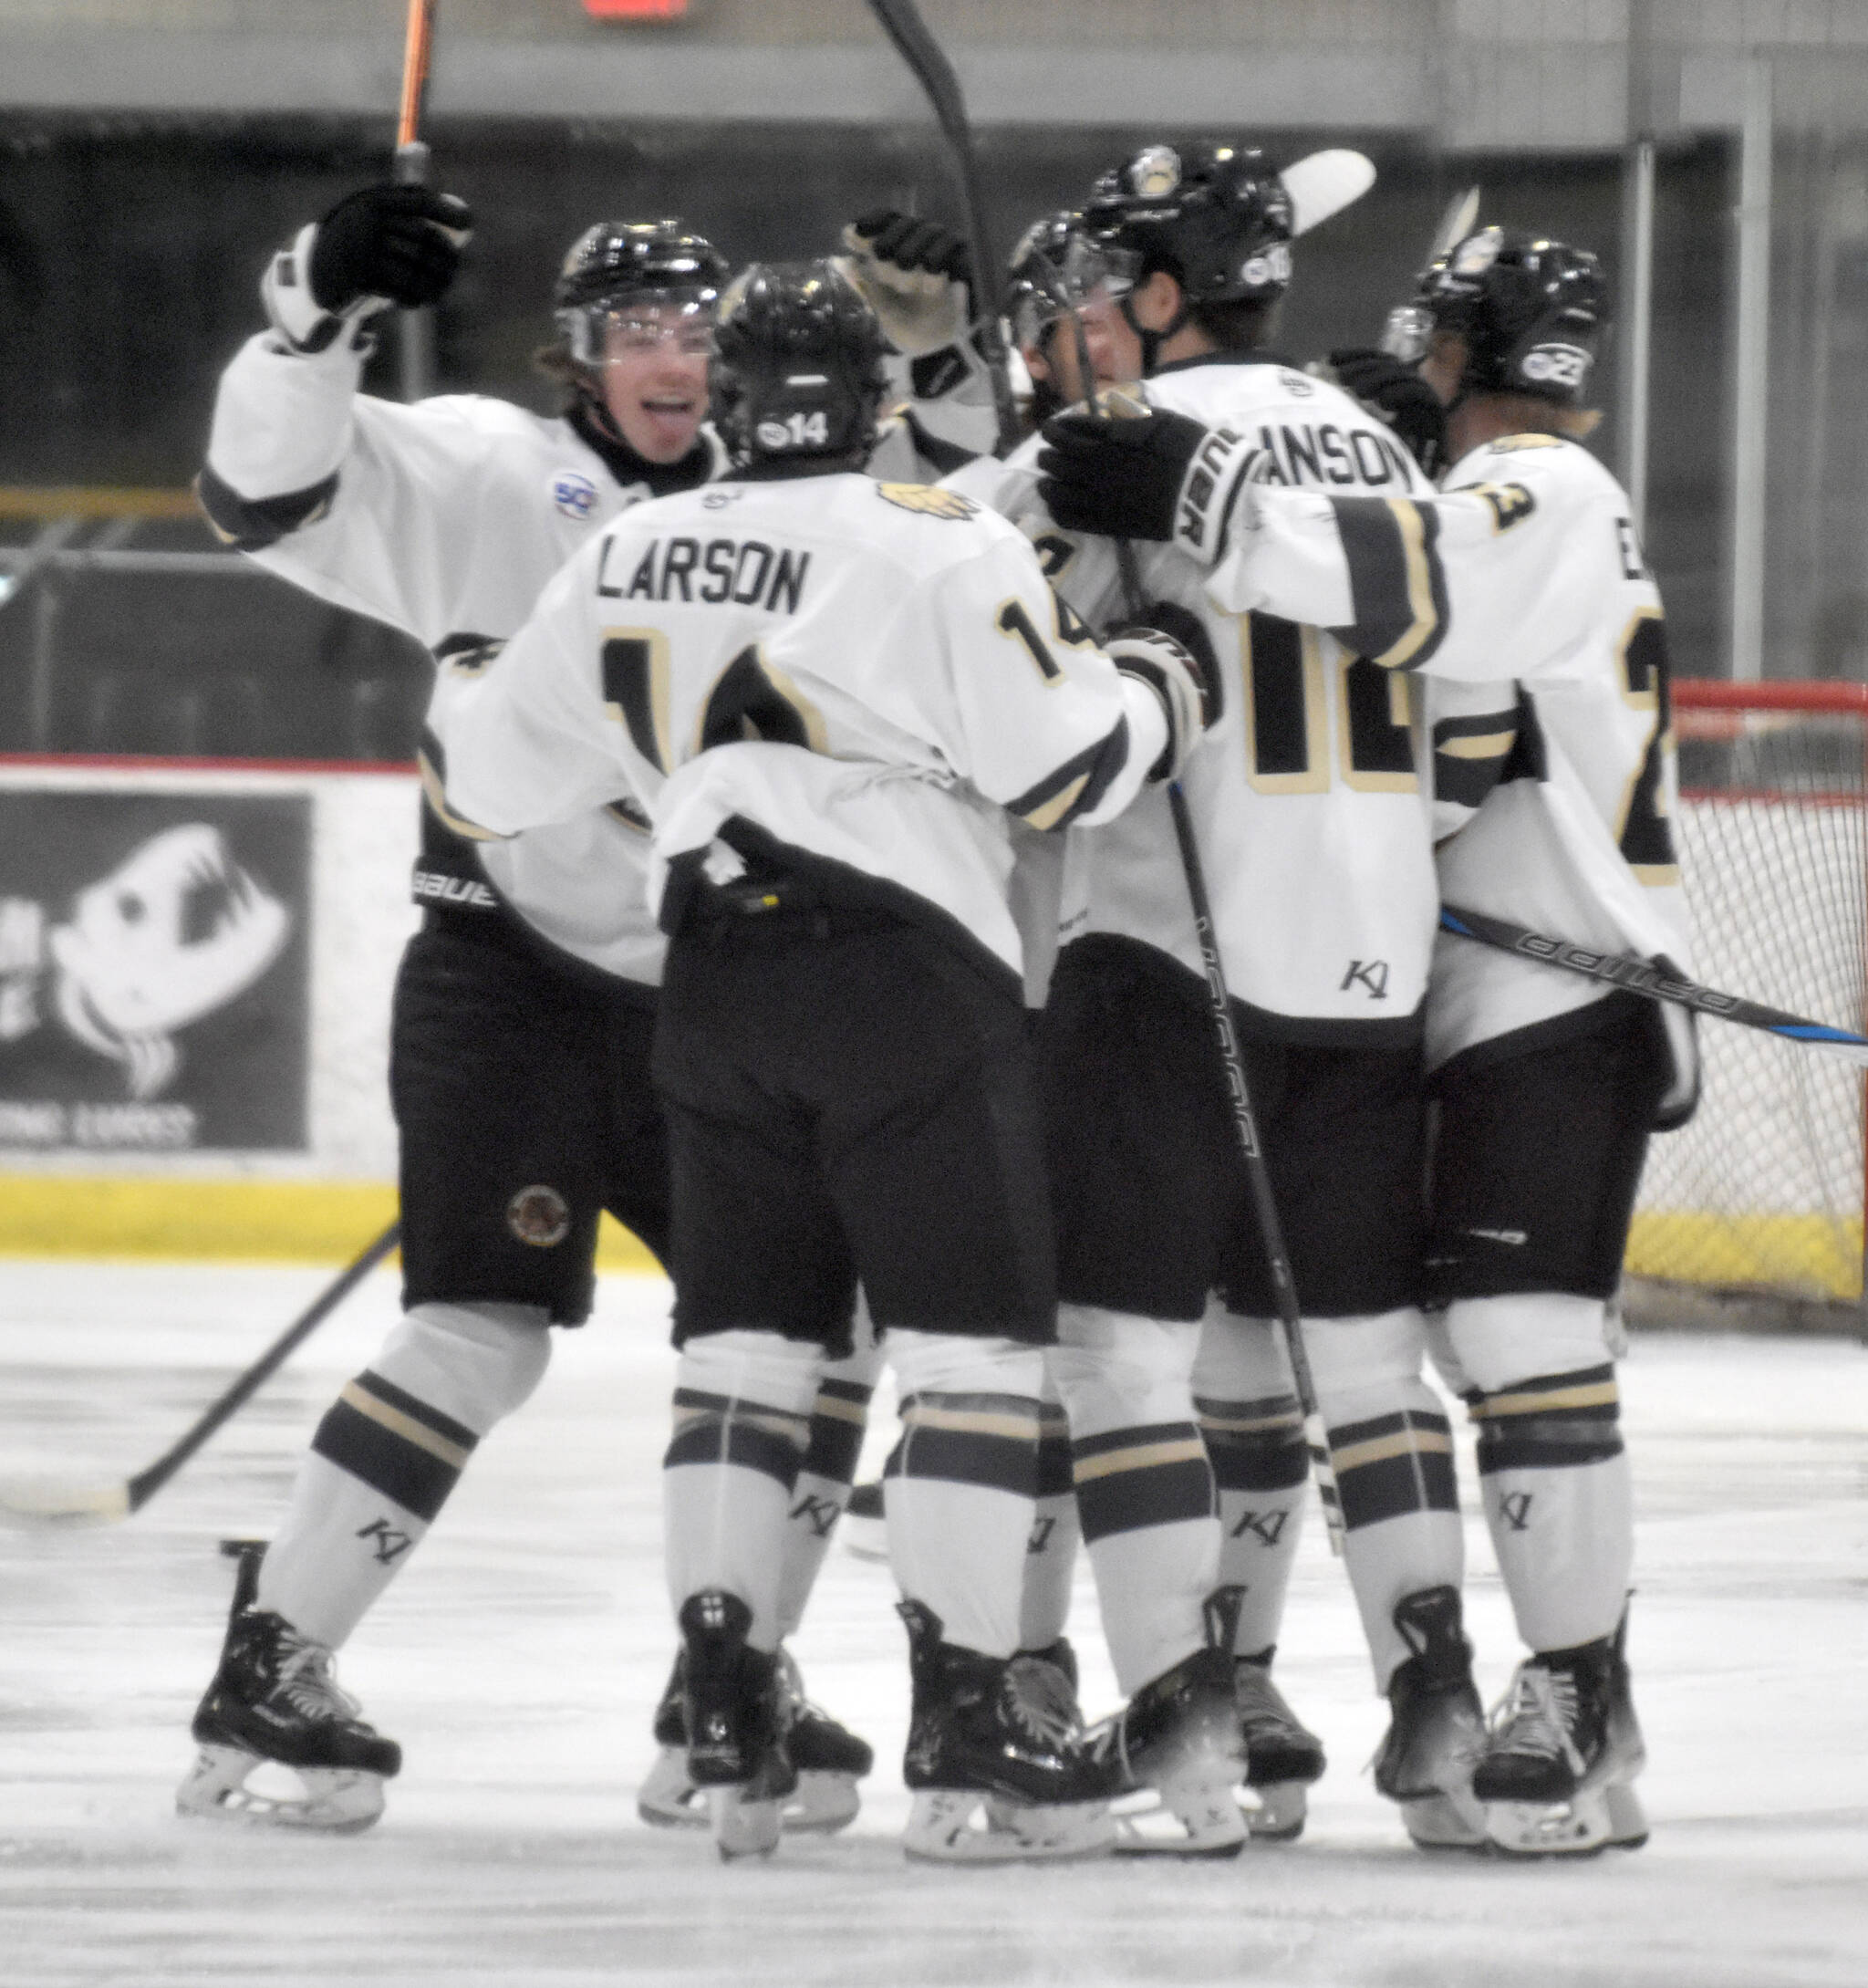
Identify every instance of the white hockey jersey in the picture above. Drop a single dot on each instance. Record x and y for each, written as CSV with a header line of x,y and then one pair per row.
x,y
1522,592
445,520
866,679
1307,797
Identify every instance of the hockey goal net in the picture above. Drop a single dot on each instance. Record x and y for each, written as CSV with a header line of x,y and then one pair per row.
x,y
1763,1191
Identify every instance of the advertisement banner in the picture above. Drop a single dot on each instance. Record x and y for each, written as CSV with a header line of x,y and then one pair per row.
x,y
154,971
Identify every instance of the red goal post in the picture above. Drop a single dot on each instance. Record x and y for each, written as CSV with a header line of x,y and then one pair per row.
x,y
1765,1190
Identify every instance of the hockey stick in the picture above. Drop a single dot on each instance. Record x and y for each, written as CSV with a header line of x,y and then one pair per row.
x,y
415,329
1642,977
103,1504
1258,1174
901,22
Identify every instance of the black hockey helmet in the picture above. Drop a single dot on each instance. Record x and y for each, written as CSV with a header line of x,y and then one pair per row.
x,y
619,264
1530,311
1058,263
1216,217
798,371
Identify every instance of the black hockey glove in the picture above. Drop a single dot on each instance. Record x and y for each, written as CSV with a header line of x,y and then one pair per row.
x,y
1395,394
1121,479
402,243
1176,677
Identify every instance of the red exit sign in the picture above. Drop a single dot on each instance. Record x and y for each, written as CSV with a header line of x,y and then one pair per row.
x,y
636,10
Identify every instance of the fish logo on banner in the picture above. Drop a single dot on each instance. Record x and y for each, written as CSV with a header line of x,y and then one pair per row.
x,y
121,943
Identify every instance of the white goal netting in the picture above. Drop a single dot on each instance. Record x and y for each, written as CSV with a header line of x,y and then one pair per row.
x,y
1764,1189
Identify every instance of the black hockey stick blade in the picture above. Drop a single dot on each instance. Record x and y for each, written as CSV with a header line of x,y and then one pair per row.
x,y
1258,1174
1644,977
901,22
104,1504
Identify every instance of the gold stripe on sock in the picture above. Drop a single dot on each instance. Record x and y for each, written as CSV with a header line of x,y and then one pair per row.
x,y
1143,1456
405,1426
1597,1394
1404,1442
972,1422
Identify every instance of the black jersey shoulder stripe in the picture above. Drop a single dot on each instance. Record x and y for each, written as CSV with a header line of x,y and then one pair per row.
x,y
1398,585
252,524
1074,787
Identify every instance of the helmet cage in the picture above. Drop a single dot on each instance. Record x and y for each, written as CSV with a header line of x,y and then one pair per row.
x,y
1059,267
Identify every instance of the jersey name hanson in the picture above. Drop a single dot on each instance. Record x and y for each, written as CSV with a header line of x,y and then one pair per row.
x,y
1306,797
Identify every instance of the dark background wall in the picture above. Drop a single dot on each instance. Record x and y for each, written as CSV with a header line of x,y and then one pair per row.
x,y
129,253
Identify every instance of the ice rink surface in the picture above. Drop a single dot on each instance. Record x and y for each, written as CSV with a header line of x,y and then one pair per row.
x,y
520,1654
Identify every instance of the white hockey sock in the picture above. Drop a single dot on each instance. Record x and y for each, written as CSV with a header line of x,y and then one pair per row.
x,y
1144,1487
839,1418
387,1452
742,1417
1555,1481
960,1487
1051,1552
1392,1444
1253,1428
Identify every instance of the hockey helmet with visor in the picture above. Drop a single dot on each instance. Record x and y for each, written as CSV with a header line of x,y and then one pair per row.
x,y
1529,310
633,285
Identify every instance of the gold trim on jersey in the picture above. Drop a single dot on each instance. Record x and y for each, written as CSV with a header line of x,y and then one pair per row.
x,y
1657,874
1402,700
1420,589
1315,776
816,734
435,793
654,720
1485,746
1050,813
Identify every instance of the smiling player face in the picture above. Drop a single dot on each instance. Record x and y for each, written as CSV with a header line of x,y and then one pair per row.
x,y
654,378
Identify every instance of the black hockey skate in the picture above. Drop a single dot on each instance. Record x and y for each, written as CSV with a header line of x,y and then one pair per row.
x,y
273,1699
1179,1738
996,1756
1283,1755
734,1710
828,1757
1557,1774
1437,1731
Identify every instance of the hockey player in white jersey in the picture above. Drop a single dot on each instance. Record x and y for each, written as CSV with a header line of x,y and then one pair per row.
x,y
1308,801
537,966
828,694
1523,591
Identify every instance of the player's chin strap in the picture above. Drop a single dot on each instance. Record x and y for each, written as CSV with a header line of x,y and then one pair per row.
x,y
1152,341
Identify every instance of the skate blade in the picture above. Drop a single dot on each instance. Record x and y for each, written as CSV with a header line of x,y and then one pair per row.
x,y
1276,1813
822,1804
669,1798
960,1826
335,1801
1578,1828
742,1828
1445,1822
1181,1816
